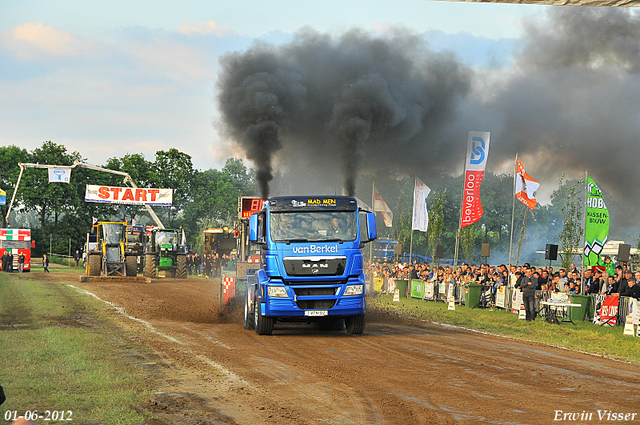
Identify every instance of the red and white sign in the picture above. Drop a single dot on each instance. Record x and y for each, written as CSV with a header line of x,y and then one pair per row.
x,y
229,288
477,154
128,195
16,242
609,310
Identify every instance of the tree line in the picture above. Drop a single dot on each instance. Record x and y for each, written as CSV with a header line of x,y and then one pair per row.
x,y
59,216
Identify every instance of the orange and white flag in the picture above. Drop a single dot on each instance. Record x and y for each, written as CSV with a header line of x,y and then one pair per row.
x,y
525,187
380,206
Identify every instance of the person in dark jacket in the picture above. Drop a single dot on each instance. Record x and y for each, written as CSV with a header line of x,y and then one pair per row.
x,y
21,259
5,260
632,290
528,285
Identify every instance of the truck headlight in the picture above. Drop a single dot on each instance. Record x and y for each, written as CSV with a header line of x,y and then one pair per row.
x,y
354,290
277,291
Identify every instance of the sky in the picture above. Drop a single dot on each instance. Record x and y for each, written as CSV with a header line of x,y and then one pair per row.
x,y
110,78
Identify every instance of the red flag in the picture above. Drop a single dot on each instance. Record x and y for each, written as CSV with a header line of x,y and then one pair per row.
x,y
525,187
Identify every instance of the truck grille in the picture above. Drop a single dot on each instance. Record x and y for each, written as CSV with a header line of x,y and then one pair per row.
x,y
332,266
316,304
305,292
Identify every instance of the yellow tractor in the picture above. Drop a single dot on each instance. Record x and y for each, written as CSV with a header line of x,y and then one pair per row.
x,y
110,256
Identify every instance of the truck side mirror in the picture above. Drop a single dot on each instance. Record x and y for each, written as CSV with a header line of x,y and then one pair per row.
x,y
371,226
253,228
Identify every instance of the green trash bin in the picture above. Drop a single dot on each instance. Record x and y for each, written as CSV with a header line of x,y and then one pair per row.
x,y
579,313
472,294
401,286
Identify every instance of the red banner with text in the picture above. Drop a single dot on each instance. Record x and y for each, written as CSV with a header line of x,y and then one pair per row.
x,y
477,154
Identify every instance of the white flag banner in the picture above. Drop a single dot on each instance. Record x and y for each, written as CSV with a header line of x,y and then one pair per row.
x,y
420,215
59,174
128,195
380,206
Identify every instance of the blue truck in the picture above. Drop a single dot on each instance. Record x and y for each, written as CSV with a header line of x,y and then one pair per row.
x,y
311,266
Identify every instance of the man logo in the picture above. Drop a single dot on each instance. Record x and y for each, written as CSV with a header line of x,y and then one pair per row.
x,y
477,150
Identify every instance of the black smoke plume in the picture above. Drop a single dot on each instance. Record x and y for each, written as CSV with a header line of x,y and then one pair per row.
x,y
571,104
334,105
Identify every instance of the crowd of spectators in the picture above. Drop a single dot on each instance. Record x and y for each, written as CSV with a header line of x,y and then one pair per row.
x,y
210,265
609,280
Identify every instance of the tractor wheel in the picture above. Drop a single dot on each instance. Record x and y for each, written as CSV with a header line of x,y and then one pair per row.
x,y
181,271
150,265
263,325
93,268
131,265
355,324
247,322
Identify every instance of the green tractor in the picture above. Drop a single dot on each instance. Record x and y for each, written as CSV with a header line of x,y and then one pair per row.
x,y
164,253
111,256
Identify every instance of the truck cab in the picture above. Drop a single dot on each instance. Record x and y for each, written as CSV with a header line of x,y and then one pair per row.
x,y
311,266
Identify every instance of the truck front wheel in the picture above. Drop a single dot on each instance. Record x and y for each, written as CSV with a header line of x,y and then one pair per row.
x,y
263,325
355,324
247,321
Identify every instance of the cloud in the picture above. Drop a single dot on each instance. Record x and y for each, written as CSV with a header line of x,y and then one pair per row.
x,y
206,28
33,40
172,59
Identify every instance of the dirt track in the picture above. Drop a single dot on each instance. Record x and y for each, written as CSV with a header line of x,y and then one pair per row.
x,y
398,372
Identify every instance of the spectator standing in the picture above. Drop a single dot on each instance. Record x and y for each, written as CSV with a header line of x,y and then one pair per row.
x,y
634,289
528,285
21,258
45,263
196,263
76,257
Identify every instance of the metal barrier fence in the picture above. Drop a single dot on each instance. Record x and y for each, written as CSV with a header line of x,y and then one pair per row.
x,y
504,298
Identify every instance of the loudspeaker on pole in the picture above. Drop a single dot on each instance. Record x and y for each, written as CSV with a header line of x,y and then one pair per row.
x,y
551,252
439,251
623,252
486,250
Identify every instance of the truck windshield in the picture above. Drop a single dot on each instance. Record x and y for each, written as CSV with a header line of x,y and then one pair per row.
x,y
166,238
314,226
112,233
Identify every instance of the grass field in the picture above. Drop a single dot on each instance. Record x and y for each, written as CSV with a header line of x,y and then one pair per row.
x,y
61,352
584,336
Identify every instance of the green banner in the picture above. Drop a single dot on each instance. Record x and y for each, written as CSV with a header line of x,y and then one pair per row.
x,y
596,230
417,288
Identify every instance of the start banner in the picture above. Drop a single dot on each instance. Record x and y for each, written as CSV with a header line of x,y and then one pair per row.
x,y
128,195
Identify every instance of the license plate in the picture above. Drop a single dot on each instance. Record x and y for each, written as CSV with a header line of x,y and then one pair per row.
x,y
316,313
